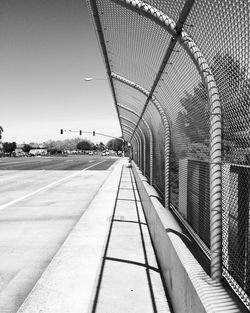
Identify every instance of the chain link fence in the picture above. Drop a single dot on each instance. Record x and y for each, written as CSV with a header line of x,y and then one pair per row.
x,y
141,43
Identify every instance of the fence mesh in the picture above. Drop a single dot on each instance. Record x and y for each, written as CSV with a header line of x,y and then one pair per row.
x,y
147,156
136,46
155,123
129,97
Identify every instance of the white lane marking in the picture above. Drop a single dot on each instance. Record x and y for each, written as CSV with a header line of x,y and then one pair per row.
x,y
45,187
91,161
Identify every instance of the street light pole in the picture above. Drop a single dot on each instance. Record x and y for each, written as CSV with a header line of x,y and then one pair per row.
x,y
88,79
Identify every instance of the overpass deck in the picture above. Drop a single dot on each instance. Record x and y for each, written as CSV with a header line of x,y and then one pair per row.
x,y
107,263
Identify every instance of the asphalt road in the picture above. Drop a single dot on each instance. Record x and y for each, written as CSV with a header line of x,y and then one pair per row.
x,y
41,201
69,163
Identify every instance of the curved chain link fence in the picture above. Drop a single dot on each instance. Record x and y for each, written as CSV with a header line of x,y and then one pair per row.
x,y
193,58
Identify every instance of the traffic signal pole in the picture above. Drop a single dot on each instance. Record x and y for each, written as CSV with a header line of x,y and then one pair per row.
x,y
94,133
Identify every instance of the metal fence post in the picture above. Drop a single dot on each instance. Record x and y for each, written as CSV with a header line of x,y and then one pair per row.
x,y
135,150
144,142
134,147
140,144
150,140
165,123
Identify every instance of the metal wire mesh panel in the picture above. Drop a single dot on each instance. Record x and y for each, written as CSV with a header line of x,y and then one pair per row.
x,y
198,213
132,117
135,44
129,97
128,124
126,136
236,230
221,29
184,97
147,156
171,7
155,122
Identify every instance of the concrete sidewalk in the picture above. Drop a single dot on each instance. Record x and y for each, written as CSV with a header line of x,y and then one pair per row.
x,y
130,280
107,264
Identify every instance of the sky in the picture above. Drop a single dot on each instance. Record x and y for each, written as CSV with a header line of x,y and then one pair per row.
x,y
47,48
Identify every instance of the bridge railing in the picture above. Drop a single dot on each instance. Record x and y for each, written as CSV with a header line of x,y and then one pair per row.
x,y
179,74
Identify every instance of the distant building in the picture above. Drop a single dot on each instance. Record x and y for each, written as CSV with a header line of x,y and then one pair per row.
x,y
39,151
36,149
19,150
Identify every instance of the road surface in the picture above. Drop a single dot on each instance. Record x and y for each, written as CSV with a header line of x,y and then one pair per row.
x,y
69,163
41,201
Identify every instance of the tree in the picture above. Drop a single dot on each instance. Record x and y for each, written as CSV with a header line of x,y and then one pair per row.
x,y
70,144
95,147
84,145
101,146
92,146
115,144
9,147
191,127
53,151
26,148
196,114
50,144
51,147
180,136
67,144
234,90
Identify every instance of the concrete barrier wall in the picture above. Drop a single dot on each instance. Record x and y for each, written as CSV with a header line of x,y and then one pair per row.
x,y
190,289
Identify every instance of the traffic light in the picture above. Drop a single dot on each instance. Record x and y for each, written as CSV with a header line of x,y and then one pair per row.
x,y
93,133
61,131
80,132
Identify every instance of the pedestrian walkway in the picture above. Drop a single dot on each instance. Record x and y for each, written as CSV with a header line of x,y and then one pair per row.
x,y
130,279
107,264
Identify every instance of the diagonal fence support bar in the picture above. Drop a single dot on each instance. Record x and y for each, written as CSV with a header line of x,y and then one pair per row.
x,y
144,141
165,123
139,141
150,140
127,131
